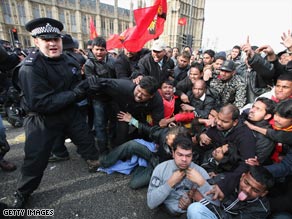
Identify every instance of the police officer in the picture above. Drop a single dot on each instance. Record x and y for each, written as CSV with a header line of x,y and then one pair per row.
x,y
50,84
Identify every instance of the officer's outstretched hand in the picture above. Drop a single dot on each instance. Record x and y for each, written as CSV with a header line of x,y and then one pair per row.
x,y
94,83
80,90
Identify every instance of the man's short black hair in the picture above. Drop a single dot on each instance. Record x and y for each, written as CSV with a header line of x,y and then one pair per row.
x,y
99,41
285,77
197,65
149,83
270,104
284,108
230,108
262,175
210,52
183,142
168,82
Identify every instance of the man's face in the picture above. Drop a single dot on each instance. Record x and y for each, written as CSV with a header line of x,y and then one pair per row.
x,y
219,152
195,74
168,52
225,122
129,54
250,187
217,64
198,89
258,112
234,53
175,52
167,91
158,55
282,122
283,89
208,60
182,158
182,62
225,75
99,52
141,95
51,48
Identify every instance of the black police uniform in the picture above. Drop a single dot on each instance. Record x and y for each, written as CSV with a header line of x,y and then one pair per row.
x,y
50,102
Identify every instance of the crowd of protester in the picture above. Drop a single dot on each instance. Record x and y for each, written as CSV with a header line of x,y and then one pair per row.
x,y
207,131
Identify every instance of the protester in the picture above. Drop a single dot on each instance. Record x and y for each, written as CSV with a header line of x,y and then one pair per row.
x,y
173,179
248,201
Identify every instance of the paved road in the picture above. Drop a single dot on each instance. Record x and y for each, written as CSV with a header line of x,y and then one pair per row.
x,y
73,192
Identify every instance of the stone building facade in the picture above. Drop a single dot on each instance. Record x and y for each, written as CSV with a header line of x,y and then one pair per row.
x,y
109,19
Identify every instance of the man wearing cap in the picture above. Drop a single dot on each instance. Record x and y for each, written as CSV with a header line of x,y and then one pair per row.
x,y
229,85
156,64
50,84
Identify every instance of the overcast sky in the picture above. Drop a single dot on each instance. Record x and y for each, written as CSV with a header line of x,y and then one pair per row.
x,y
229,22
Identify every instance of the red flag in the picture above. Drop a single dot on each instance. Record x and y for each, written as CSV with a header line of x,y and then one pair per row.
x,y
114,42
182,21
149,25
93,33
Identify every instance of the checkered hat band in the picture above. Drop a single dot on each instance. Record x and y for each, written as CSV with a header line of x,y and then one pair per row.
x,y
45,29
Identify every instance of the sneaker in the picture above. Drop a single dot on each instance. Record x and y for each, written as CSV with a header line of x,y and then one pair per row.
x,y
93,165
19,200
55,158
7,166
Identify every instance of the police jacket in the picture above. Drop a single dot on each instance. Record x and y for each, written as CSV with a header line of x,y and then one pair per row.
x,y
47,83
241,137
147,66
122,92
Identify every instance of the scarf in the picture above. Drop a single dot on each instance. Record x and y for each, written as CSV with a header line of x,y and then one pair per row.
x,y
278,147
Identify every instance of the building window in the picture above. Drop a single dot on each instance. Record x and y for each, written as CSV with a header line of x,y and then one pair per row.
x,y
62,17
84,25
21,13
111,30
73,23
6,12
103,27
35,11
49,12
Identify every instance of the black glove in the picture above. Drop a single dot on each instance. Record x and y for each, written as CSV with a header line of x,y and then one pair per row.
x,y
80,90
94,83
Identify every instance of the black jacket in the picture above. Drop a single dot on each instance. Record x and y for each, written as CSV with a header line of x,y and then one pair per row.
x,y
158,136
122,92
47,83
202,108
147,66
125,67
241,137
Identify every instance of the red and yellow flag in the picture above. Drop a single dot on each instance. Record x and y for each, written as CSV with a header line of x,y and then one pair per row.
x,y
149,25
92,29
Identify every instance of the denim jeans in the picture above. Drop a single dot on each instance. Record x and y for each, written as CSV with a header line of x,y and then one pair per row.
x,y
102,115
199,211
